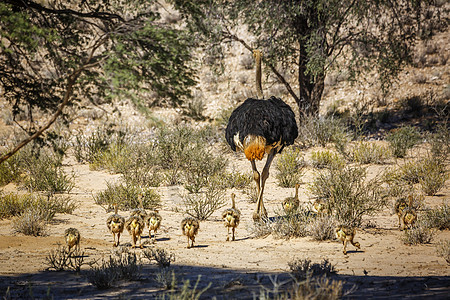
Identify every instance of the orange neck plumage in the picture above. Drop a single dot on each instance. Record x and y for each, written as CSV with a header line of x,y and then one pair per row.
x,y
254,147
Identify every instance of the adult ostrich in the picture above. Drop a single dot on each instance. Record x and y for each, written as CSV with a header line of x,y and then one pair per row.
x,y
260,126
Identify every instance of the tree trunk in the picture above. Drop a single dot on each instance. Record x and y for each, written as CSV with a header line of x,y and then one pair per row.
x,y
311,88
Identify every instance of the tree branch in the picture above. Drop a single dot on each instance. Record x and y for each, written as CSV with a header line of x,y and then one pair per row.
x,y
37,6
67,95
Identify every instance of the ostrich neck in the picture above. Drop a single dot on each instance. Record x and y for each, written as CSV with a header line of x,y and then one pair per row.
x,y
233,205
259,91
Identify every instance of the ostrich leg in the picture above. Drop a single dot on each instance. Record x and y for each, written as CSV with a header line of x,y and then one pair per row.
x,y
260,209
256,176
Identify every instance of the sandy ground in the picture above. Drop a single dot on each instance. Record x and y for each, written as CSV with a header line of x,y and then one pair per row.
x,y
383,268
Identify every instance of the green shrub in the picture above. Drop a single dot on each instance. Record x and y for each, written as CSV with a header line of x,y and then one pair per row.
x,y
438,217
174,148
237,180
429,172
290,166
292,224
141,167
10,169
321,131
45,173
418,234
349,194
322,228
12,205
440,142
125,267
367,153
126,197
403,139
443,250
202,205
326,159
201,167
432,175
30,222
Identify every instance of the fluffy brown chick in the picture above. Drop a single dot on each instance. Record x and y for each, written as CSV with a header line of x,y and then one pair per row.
x,y
231,217
72,237
153,223
190,227
115,224
291,204
135,226
346,234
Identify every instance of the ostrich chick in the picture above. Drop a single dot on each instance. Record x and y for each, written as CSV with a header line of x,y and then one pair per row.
x,y
231,217
399,207
153,222
190,227
408,218
135,226
115,224
72,237
408,215
290,204
346,234
320,206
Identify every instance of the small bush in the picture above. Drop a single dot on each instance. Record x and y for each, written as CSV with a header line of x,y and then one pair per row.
x,y
418,234
161,256
45,173
367,153
201,167
237,180
195,108
403,139
109,272
292,224
202,205
443,250
349,195
304,268
326,159
432,175
62,259
321,131
322,228
14,204
90,147
126,196
10,169
429,172
30,222
290,166
438,217
167,278
141,166
440,142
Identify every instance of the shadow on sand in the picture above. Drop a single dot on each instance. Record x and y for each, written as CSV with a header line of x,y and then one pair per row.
x,y
225,284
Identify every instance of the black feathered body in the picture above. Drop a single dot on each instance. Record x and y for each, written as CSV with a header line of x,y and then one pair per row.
x,y
272,119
